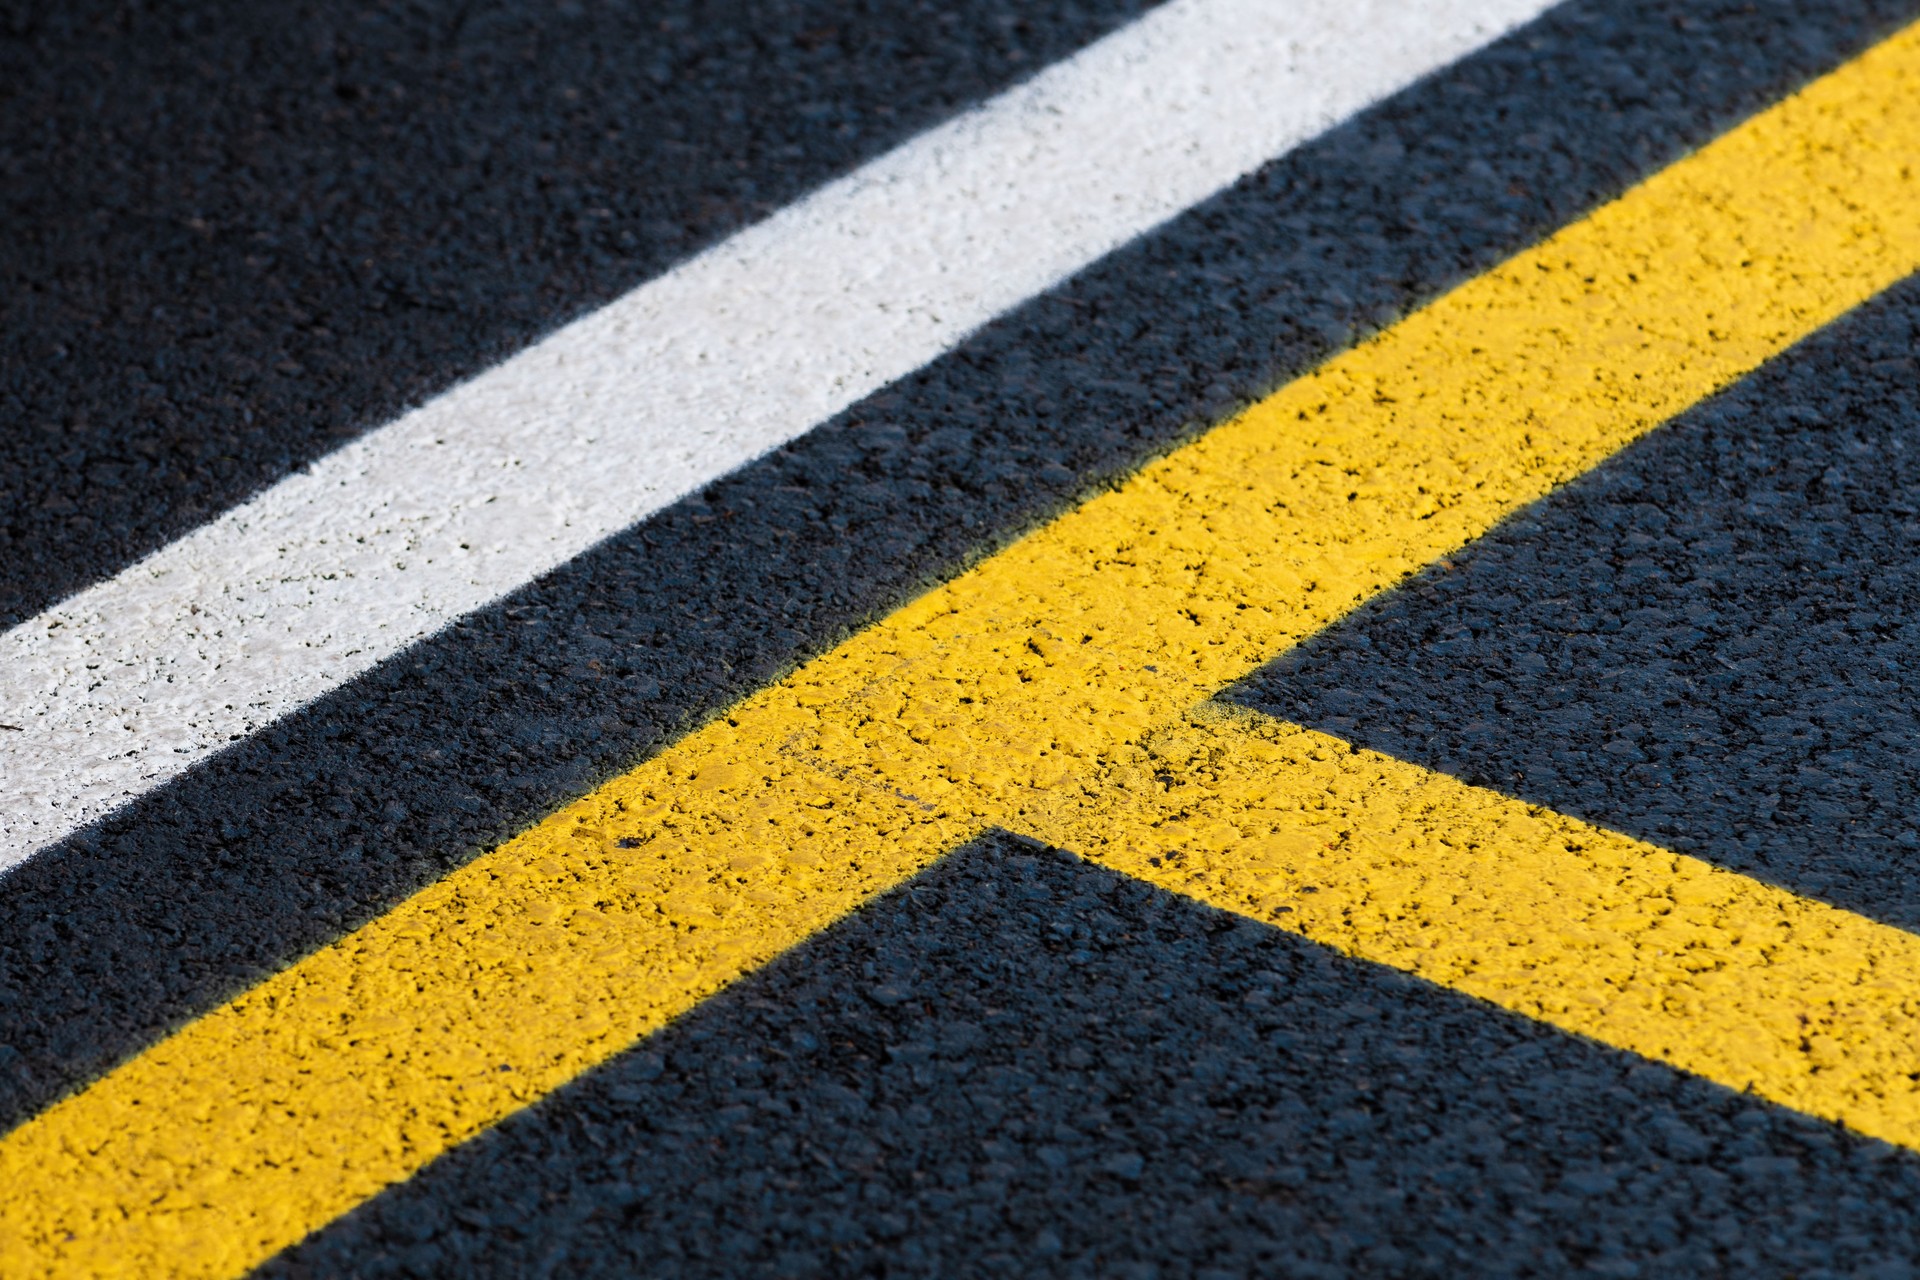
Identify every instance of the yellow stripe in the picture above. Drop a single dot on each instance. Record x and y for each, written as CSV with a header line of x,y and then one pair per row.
x,y
1596,933
1002,698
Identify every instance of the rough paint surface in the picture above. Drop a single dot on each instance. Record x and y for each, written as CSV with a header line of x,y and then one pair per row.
x,y
1023,1065
254,234
1745,582
286,840
410,1035
1035,1088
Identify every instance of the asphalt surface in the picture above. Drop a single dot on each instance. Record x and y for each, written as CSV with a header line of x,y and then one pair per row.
x,y
238,237
1709,643
1021,1064
241,246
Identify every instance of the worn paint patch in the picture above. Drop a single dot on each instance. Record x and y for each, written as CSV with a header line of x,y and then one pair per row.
x,y
995,700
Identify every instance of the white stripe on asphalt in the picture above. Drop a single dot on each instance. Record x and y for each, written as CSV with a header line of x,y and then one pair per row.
x,y
688,377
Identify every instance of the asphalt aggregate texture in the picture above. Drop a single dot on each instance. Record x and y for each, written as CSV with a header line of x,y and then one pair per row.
x,y
238,251
1711,642
239,235
1022,1064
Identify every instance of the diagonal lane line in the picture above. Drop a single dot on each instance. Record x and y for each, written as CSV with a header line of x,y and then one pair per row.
x,y
1602,935
1002,698
455,216
130,682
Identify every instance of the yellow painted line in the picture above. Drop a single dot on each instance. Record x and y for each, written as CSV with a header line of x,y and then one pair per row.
x,y
1000,699
1589,930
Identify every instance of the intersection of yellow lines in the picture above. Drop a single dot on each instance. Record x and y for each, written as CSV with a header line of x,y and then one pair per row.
x,y
1062,688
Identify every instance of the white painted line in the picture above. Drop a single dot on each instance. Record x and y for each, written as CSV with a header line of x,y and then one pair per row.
x,y
688,377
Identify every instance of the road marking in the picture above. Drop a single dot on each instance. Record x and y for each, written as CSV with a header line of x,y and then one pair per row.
x,y
1008,697
772,332
1596,933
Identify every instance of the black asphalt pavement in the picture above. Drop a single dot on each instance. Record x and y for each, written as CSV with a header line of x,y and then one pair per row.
x,y
239,235
1710,643
1024,1065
